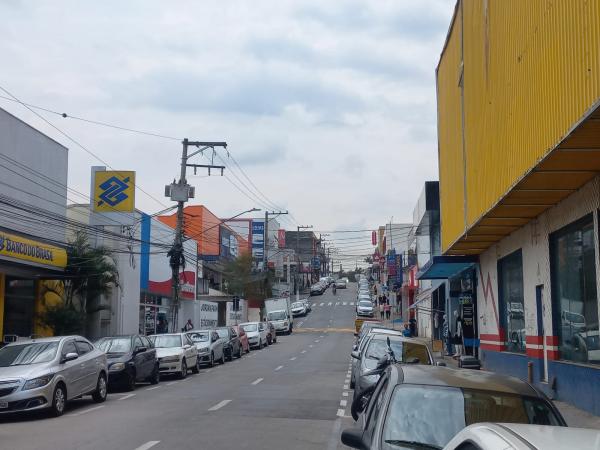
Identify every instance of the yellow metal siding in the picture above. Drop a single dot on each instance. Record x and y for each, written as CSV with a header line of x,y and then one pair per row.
x,y
2,287
531,73
450,139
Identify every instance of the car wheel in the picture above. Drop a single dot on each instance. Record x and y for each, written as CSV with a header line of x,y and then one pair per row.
x,y
211,363
155,377
59,400
223,357
196,368
130,385
184,370
230,354
100,393
241,351
275,340
351,383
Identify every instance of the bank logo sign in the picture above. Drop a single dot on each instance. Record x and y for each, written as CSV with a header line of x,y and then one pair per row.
x,y
114,191
22,249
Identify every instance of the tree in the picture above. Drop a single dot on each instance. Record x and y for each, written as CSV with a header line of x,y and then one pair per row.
x,y
91,272
242,281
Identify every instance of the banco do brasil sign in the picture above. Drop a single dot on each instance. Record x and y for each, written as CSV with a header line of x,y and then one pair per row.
x,y
17,247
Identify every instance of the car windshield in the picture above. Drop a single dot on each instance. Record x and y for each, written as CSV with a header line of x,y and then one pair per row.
x,y
276,315
414,409
114,345
297,305
365,303
407,352
250,327
222,332
166,340
25,354
199,336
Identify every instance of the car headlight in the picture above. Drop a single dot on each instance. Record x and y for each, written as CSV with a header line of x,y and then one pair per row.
x,y
38,382
203,350
116,367
169,359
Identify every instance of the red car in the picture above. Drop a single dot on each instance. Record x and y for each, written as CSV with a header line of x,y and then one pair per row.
x,y
243,338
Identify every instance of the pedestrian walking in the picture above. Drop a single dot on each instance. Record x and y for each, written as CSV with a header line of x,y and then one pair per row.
x,y
188,325
375,289
381,311
385,299
380,300
387,310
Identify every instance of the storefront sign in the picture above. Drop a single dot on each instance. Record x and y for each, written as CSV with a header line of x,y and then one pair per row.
x,y
258,238
22,249
114,191
281,238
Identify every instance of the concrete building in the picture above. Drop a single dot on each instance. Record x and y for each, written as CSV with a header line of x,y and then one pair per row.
x,y
519,157
33,201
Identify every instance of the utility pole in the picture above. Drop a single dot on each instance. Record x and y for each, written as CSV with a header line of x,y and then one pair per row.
x,y
298,228
266,239
181,192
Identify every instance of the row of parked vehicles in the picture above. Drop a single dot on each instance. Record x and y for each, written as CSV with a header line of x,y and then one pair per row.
x,y
46,373
321,286
404,399
364,303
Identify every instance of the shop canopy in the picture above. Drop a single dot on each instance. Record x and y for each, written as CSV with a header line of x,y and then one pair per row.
x,y
444,267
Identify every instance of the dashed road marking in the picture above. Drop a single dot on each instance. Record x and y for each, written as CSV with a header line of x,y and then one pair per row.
x,y
81,413
125,397
293,358
345,394
278,368
152,388
258,380
219,405
172,383
340,412
329,304
310,346
343,403
322,304
346,386
147,445
303,351
344,303
317,341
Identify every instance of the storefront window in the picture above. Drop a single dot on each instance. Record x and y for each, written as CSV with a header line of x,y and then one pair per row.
x,y
575,303
19,307
511,301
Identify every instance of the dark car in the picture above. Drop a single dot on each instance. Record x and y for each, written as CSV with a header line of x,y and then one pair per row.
x,y
130,358
231,342
414,406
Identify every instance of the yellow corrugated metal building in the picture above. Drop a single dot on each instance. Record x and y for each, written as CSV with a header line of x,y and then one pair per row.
x,y
518,85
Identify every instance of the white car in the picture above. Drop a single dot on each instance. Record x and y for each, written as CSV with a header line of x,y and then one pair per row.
x,y
501,436
209,345
176,353
299,309
340,284
365,308
257,333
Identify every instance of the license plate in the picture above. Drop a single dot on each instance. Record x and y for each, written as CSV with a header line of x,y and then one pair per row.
x,y
3,405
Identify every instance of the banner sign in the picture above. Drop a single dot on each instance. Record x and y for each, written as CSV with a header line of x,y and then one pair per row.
x,y
114,191
399,269
374,237
281,238
316,262
21,249
258,238
391,263
209,314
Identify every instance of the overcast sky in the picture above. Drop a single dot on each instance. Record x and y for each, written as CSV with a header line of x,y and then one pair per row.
x,y
329,106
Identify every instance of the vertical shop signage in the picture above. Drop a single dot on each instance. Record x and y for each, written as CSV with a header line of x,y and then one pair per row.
x,y
281,238
258,238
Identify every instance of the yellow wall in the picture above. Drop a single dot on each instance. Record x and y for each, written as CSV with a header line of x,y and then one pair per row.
x,y
531,72
2,288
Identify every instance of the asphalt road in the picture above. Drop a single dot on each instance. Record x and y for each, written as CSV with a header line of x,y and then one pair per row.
x,y
289,395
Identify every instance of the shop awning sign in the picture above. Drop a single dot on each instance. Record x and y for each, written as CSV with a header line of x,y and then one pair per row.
x,y
20,249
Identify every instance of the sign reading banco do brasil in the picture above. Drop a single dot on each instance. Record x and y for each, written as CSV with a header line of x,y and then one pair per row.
x,y
20,248
114,191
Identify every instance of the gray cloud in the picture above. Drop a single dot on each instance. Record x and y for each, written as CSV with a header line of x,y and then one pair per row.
x,y
262,156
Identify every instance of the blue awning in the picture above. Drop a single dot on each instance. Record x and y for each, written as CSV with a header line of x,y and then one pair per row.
x,y
444,267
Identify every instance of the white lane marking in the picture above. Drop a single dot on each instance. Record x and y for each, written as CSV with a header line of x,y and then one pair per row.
x,y
340,412
152,388
337,303
310,346
346,386
322,304
208,370
258,380
321,336
343,403
81,413
172,383
317,341
147,445
344,303
303,351
278,368
351,303
125,397
219,405
345,394
329,304
293,358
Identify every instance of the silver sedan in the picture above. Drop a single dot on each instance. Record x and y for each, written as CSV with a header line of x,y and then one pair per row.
x,y
46,373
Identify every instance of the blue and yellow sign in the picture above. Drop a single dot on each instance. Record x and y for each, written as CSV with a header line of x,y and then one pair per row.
x,y
23,249
114,191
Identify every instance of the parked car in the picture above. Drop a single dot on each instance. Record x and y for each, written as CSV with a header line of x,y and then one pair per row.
x,y
501,436
307,304
360,345
231,342
243,338
176,353
47,373
426,406
257,333
406,351
317,289
209,346
271,332
365,308
130,359
298,309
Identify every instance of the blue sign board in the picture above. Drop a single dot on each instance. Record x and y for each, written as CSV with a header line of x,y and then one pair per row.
x,y
316,262
258,238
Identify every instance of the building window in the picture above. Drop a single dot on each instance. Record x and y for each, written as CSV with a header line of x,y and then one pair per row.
x,y
574,299
511,302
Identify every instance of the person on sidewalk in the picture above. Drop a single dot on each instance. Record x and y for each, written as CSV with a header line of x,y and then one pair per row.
x,y
387,310
406,331
381,311
189,326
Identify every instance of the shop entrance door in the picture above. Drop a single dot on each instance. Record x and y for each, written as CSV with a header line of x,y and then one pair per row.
x,y
19,298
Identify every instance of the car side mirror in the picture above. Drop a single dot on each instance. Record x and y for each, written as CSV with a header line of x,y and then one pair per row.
x,y
355,354
440,364
141,350
69,357
186,346
353,438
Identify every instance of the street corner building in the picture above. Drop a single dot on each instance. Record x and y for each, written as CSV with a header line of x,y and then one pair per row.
x,y
518,87
33,180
